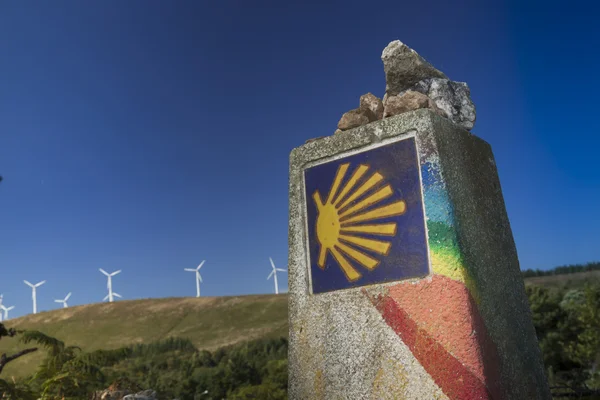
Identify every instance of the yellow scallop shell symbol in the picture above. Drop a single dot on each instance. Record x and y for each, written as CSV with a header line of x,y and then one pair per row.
x,y
343,221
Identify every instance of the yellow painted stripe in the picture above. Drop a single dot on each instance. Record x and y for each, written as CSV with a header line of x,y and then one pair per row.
x,y
375,198
351,273
362,258
358,173
372,181
322,256
317,199
377,246
380,229
445,262
339,176
397,208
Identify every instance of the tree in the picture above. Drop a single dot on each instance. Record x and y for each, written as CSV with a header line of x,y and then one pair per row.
x,y
63,374
11,390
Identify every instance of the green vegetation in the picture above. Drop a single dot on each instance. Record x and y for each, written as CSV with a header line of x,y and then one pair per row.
x,y
173,367
562,270
567,324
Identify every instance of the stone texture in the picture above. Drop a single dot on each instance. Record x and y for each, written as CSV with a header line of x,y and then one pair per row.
x,y
355,118
408,101
123,389
313,139
454,98
404,68
337,131
340,344
373,103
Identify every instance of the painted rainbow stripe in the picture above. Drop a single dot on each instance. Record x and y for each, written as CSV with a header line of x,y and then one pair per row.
x,y
438,318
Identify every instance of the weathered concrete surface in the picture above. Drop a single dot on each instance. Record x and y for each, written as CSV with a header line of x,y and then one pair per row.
x,y
464,332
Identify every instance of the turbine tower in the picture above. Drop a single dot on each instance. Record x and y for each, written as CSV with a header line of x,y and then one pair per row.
x,y
274,274
6,310
198,277
110,294
64,301
33,287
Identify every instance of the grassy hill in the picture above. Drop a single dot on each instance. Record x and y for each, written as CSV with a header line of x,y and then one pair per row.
x,y
564,281
209,322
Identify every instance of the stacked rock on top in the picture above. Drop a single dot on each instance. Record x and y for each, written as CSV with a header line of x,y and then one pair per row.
x,y
412,83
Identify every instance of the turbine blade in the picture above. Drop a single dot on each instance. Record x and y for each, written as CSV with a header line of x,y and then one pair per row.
x,y
103,271
106,298
271,274
58,301
190,269
9,308
272,263
279,269
40,283
115,273
201,264
117,295
67,298
28,283
199,278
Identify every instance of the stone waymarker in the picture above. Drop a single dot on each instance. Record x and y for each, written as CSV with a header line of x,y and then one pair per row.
x,y
404,281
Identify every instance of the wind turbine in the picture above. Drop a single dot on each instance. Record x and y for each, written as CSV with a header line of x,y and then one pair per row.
x,y
33,287
110,294
198,277
6,310
274,274
64,301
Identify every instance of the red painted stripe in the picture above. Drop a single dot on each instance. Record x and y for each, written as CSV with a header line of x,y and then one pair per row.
x,y
455,380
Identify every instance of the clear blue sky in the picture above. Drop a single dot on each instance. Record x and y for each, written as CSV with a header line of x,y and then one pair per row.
x,y
150,135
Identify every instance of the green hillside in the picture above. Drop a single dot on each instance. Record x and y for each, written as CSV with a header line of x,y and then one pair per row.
x,y
565,281
209,322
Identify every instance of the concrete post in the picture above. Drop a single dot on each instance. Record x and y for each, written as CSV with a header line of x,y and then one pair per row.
x,y
404,281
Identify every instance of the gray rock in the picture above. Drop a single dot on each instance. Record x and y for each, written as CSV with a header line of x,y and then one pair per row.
x,y
373,103
144,395
408,101
355,118
454,98
404,68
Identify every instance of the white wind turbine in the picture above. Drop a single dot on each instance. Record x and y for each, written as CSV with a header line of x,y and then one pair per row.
x,y
33,287
198,277
64,301
6,310
274,274
110,294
